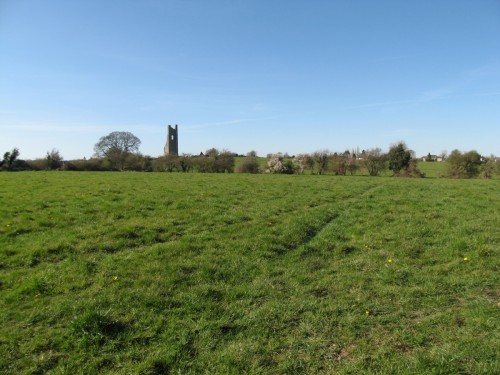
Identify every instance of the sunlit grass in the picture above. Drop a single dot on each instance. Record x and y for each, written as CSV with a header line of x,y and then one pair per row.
x,y
192,273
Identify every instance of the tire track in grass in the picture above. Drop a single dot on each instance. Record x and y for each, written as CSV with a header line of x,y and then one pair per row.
x,y
303,230
342,208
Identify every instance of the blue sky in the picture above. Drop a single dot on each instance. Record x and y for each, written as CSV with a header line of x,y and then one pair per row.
x,y
274,75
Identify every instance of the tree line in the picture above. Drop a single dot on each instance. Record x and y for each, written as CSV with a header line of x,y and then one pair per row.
x,y
119,151
399,160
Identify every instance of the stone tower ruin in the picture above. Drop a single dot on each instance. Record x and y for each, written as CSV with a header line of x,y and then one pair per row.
x,y
172,145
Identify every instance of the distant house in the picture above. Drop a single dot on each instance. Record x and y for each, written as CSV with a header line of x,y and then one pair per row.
x,y
430,157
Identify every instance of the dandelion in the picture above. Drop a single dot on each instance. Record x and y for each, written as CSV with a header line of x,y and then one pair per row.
x,y
367,313
466,259
115,278
389,260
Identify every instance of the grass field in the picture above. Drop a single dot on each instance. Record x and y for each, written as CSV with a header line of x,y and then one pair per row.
x,y
432,169
136,273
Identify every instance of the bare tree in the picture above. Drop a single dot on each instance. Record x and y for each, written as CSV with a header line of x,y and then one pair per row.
x,y
340,162
321,159
116,146
352,165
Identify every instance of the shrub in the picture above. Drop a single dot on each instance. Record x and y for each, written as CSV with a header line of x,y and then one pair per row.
x,y
412,170
339,165
53,159
93,164
37,164
214,161
374,161
277,163
304,162
488,167
9,158
399,158
352,165
463,165
249,165
321,158
138,162
167,163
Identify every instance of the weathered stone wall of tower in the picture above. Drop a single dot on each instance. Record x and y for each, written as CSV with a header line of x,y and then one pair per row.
x,y
172,145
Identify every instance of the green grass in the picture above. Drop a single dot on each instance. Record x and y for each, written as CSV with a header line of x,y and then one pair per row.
x,y
432,169
135,273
